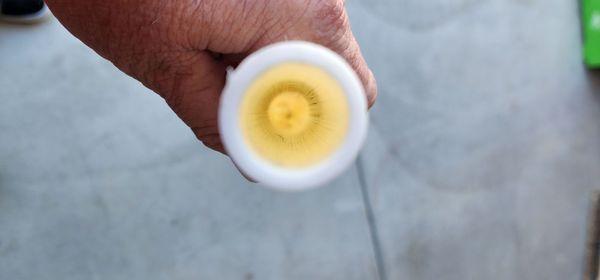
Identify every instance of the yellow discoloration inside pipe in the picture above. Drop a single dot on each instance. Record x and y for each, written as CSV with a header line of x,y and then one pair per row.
x,y
294,115
289,113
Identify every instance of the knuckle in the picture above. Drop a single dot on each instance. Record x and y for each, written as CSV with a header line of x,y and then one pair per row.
x,y
331,26
331,16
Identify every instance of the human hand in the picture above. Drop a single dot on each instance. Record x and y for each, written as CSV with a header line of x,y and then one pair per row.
x,y
181,49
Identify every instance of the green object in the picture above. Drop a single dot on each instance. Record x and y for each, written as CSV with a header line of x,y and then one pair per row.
x,y
591,33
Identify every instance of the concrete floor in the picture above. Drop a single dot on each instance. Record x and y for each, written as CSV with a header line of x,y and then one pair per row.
x,y
483,149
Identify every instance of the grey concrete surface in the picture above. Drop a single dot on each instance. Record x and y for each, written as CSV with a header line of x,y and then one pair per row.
x,y
100,180
485,142
483,149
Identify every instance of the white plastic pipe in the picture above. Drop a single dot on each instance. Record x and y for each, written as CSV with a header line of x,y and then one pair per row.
x,y
265,172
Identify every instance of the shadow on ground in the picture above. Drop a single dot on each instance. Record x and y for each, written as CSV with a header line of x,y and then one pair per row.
x,y
593,81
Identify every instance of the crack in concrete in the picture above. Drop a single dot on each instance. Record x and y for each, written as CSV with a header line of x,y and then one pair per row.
x,y
369,213
421,24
